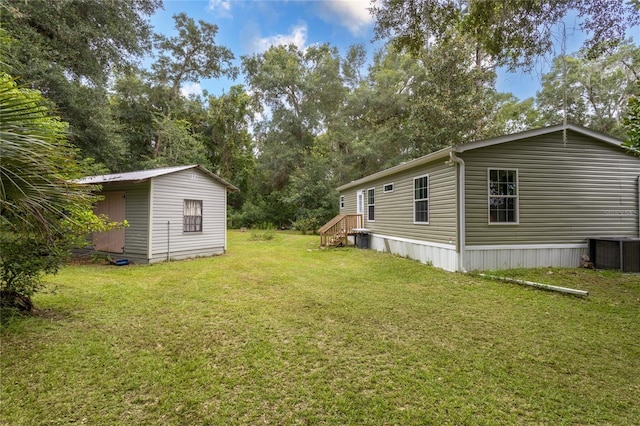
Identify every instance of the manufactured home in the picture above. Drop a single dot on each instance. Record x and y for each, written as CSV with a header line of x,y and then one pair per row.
x,y
172,213
530,199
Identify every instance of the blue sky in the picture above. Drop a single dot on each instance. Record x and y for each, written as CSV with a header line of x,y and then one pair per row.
x,y
251,26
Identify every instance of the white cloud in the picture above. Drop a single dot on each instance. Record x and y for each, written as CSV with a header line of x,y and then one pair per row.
x,y
351,14
221,8
297,36
191,89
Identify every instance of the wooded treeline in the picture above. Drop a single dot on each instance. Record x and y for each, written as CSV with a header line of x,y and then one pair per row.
x,y
306,120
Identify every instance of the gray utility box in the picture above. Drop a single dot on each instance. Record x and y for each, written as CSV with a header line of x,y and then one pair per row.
x,y
361,236
615,253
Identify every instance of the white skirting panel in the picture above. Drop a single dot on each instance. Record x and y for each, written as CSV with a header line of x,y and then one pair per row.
x,y
522,256
442,256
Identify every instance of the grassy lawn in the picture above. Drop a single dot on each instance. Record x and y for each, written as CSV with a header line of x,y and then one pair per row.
x,y
279,332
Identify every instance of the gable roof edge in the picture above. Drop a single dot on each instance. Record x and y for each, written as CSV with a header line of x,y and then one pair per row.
x,y
142,175
481,144
538,132
230,187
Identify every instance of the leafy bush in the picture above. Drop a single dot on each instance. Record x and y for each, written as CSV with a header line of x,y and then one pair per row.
x,y
305,225
24,260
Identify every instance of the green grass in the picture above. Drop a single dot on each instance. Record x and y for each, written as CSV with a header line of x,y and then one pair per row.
x,y
279,332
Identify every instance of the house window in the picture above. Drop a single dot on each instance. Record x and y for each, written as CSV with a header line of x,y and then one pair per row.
x,y
192,216
371,204
341,202
421,199
387,188
503,196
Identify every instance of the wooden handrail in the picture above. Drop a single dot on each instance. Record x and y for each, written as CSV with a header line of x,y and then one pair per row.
x,y
339,227
326,226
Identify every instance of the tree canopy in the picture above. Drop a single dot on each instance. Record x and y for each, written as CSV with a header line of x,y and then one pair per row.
x,y
69,50
514,33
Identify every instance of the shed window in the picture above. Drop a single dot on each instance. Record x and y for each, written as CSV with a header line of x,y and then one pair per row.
x,y
388,187
192,216
503,196
421,199
371,204
341,202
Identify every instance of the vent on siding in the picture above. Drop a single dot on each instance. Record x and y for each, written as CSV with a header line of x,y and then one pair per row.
x,y
615,253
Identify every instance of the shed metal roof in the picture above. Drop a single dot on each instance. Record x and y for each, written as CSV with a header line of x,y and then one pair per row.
x,y
148,174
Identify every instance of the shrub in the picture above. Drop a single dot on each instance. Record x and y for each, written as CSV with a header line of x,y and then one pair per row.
x,y
305,225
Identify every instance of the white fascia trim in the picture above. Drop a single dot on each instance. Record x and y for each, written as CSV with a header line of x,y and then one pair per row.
x,y
526,247
225,221
150,223
418,242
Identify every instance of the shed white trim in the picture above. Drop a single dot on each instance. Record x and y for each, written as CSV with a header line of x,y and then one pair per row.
x,y
150,221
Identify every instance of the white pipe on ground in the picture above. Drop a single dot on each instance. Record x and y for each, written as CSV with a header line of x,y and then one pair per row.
x,y
539,285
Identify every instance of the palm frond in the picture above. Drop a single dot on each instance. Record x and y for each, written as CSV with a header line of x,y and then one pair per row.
x,y
33,160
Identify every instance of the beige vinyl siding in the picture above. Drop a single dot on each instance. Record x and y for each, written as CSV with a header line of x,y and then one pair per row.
x,y
137,216
169,193
350,202
566,193
394,210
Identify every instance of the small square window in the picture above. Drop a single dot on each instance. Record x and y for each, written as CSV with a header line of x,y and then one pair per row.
x,y
387,188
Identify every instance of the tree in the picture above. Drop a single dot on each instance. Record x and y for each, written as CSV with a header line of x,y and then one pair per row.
x,y
411,105
590,91
180,145
43,213
191,55
513,115
631,122
229,143
188,57
135,105
304,94
512,32
68,50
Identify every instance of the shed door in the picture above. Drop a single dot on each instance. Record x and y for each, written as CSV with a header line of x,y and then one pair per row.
x,y
113,206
